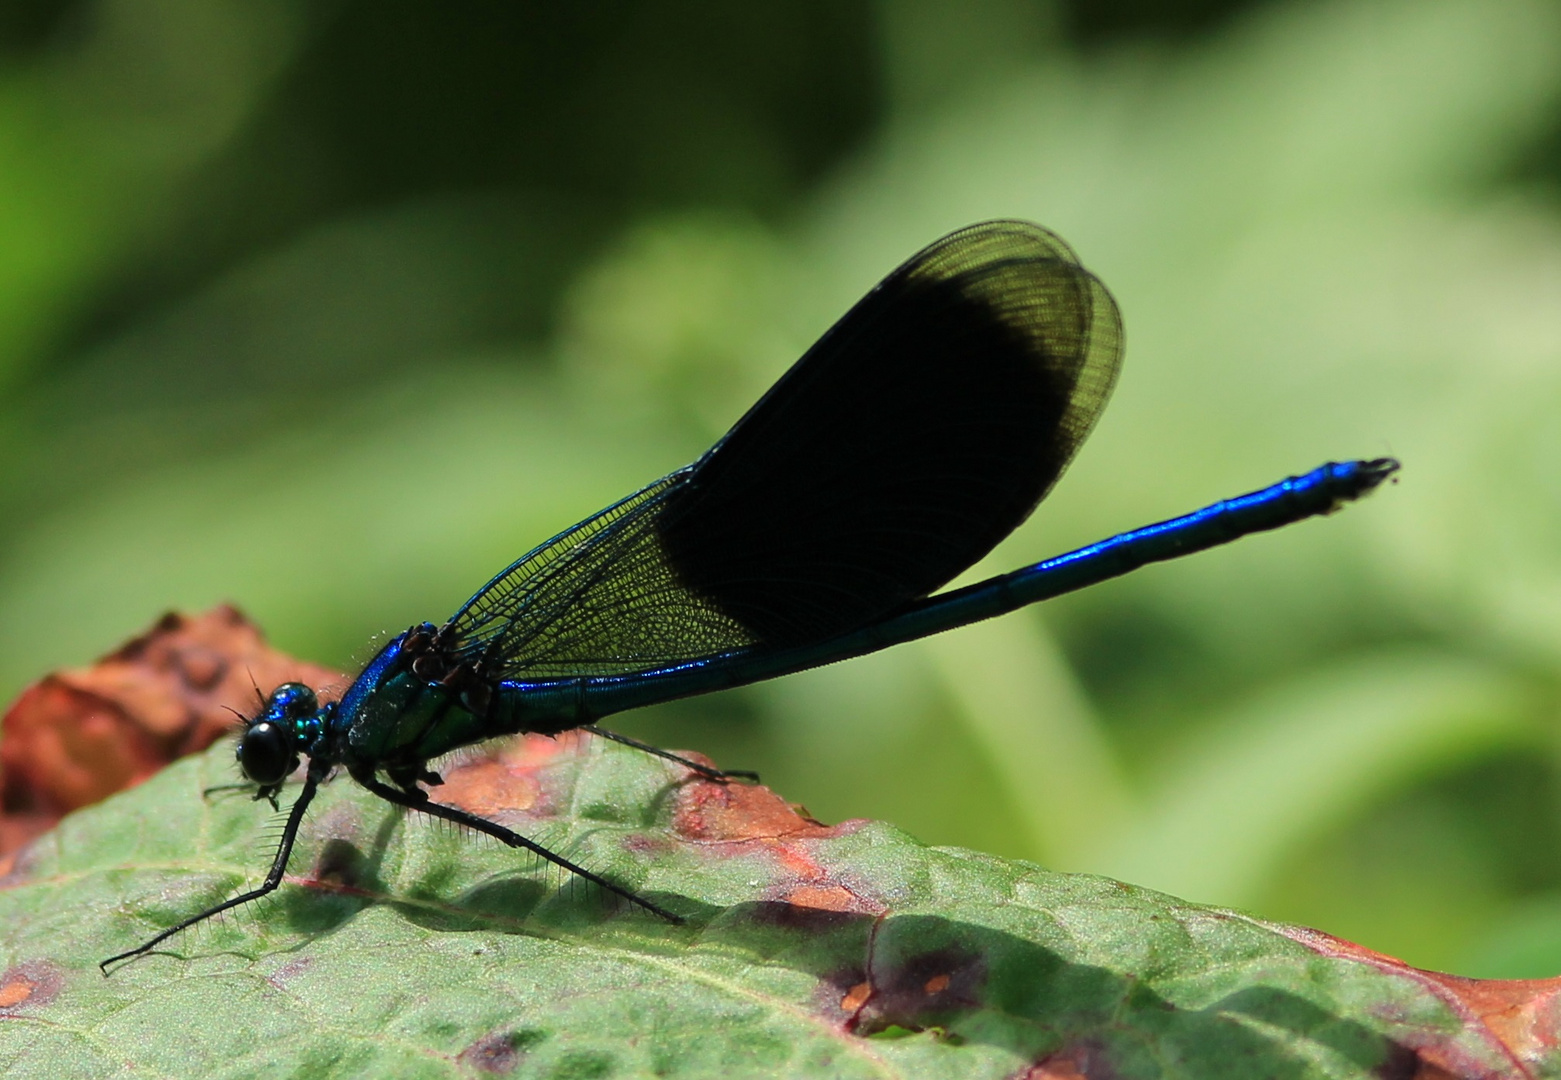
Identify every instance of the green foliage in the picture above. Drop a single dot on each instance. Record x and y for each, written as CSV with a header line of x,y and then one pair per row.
x,y
333,324
411,951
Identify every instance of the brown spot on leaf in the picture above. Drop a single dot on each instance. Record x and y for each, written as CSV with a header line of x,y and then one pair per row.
x,y
1079,1061
736,819
15,990
1518,1020
647,847
508,775
806,888
856,997
29,986
708,811
827,898
78,736
1525,1014
290,971
922,992
491,785
499,1052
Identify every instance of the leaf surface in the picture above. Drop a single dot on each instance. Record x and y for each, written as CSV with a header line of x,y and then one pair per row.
x,y
403,948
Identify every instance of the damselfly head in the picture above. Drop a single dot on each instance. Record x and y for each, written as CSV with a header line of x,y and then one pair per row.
x,y
268,749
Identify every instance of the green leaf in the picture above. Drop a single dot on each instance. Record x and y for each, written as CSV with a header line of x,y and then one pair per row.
x,y
402,948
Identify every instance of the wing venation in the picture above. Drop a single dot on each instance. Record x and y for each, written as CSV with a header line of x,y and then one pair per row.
x,y
910,439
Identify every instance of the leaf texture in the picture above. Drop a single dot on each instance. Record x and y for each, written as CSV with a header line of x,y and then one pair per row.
x,y
403,948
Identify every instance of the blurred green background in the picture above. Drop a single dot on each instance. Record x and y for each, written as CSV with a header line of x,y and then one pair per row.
x,y
333,309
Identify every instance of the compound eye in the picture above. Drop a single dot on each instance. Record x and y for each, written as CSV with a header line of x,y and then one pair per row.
x,y
265,753
291,701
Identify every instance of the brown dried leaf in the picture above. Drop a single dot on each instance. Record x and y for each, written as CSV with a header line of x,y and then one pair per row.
x,y
77,736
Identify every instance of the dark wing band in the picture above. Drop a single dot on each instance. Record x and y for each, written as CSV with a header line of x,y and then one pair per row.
x,y
916,434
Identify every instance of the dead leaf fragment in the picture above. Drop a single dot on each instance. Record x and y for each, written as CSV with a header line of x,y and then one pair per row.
x,y
78,736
